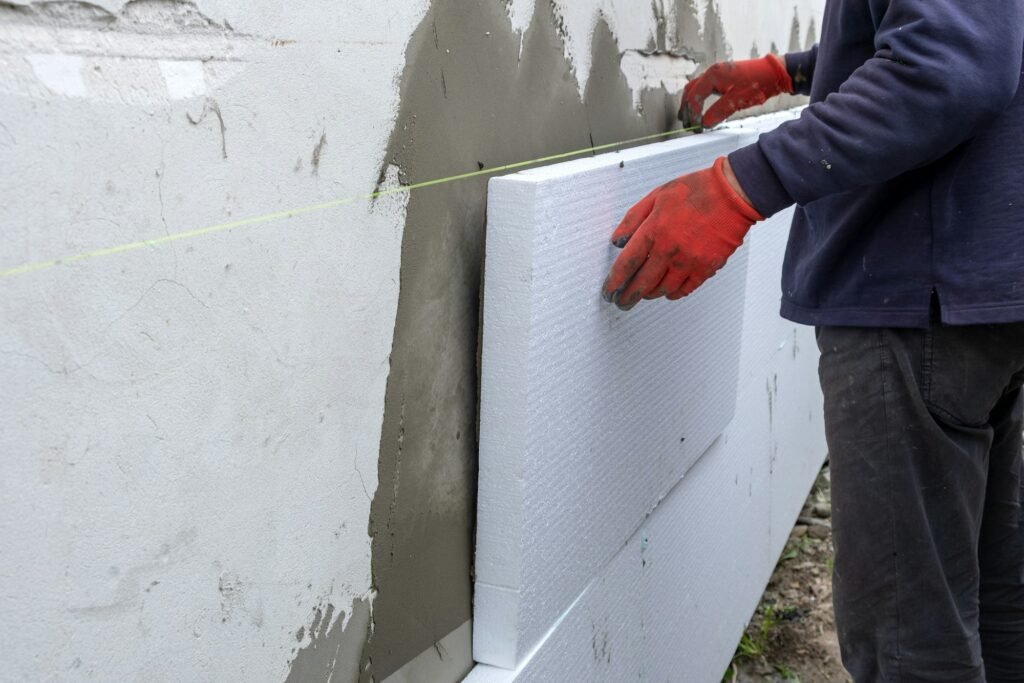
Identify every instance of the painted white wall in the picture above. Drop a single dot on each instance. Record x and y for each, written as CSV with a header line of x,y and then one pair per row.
x,y
189,432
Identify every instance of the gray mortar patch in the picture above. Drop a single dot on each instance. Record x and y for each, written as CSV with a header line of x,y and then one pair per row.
x,y
333,652
684,35
713,37
794,32
686,27
469,98
812,34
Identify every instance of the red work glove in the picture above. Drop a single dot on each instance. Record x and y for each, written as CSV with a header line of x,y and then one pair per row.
x,y
677,237
741,84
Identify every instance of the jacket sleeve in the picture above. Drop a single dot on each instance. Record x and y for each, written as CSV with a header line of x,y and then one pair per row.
x,y
941,70
800,66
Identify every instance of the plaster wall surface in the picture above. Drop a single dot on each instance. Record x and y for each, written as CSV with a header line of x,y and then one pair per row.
x,y
190,431
250,454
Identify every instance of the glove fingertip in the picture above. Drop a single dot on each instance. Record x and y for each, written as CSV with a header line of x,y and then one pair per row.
x,y
630,303
711,120
688,118
626,229
608,290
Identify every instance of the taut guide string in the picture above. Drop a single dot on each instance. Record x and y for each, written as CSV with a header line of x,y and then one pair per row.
x,y
290,213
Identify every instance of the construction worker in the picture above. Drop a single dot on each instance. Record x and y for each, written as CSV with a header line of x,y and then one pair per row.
x,y
907,254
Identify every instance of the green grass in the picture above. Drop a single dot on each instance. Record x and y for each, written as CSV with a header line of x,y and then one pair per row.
x,y
795,548
787,673
754,647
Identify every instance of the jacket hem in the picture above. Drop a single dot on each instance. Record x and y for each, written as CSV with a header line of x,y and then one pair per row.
x,y
983,314
986,314
855,317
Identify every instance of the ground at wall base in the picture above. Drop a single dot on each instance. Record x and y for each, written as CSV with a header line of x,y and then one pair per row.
x,y
792,636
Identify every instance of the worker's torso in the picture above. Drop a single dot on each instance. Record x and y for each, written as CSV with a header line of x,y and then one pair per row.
x,y
874,256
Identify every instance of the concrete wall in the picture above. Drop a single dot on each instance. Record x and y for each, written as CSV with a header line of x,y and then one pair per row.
x,y
249,454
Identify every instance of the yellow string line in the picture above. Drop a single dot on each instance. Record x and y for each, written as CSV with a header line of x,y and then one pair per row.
x,y
290,213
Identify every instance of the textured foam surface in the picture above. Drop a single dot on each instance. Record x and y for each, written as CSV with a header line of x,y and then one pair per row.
x,y
589,415
671,602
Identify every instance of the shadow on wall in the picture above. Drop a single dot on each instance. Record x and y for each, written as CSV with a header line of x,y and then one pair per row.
x,y
475,94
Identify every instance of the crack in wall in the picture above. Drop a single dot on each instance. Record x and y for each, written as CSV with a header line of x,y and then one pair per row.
x,y
318,150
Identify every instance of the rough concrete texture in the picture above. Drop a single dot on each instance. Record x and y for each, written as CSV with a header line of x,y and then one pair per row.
x,y
446,660
334,646
476,94
139,16
190,431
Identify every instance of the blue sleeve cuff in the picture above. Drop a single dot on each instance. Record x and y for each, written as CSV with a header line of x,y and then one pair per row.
x,y
759,180
800,66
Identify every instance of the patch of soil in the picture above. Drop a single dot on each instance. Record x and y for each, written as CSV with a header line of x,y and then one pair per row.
x,y
792,636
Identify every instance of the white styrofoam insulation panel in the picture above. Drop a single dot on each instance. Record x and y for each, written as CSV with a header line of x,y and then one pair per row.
x,y
671,600
589,415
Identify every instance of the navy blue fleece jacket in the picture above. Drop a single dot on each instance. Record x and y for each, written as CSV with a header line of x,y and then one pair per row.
x,y
907,167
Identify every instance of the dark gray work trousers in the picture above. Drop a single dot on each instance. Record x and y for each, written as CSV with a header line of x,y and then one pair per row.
x,y
924,435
